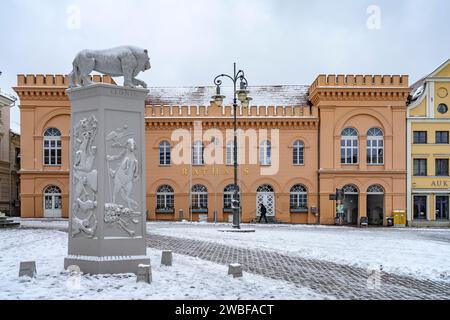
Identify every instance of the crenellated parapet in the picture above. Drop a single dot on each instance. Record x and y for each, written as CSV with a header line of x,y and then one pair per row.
x,y
164,117
363,87
212,111
59,80
366,81
48,87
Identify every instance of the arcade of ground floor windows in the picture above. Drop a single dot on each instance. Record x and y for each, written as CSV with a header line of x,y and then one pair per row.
x,y
430,209
297,208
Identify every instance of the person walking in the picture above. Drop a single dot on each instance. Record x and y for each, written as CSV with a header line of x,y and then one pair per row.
x,y
263,212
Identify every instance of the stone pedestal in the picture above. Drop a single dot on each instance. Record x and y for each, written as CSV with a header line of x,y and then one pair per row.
x,y
107,230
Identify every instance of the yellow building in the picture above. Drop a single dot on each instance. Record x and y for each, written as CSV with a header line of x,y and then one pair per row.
x,y
428,124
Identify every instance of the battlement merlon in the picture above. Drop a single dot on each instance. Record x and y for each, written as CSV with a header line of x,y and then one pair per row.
x,y
366,81
58,80
226,111
368,87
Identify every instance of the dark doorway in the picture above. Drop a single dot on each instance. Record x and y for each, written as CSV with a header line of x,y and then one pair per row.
x,y
375,205
442,208
420,208
351,205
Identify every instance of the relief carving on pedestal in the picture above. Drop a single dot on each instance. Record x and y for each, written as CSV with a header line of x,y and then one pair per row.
x,y
121,211
85,179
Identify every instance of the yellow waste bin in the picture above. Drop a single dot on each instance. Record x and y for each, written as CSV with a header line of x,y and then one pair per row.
x,y
399,218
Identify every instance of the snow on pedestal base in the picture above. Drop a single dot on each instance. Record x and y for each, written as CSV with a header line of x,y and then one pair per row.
x,y
106,265
107,180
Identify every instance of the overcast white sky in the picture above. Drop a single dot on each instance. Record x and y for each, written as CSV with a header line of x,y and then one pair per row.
x,y
190,41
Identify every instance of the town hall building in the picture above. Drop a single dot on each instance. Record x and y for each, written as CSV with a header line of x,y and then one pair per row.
x,y
297,145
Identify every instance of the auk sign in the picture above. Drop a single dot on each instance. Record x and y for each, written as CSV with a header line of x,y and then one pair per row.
x,y
442,183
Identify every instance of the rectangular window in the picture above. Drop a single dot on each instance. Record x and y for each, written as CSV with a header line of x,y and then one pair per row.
x,y
375,151
442,137
165,202
200,201
420,167
52,151
441,167
349,150
420,137
420,207
299,201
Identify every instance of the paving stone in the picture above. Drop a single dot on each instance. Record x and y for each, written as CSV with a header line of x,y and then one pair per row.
x,y
341,281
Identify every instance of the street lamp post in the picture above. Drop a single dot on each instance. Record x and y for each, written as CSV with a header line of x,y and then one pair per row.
x,y
240,94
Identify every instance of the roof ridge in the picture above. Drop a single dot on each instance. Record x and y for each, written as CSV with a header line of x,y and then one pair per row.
x,y
250,86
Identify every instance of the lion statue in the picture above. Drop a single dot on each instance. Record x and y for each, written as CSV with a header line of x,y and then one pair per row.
x,y
126,61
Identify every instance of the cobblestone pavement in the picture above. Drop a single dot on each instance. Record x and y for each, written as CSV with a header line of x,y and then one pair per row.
x,y
339,281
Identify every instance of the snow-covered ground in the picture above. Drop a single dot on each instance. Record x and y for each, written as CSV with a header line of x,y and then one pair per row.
x,y
421,253
189,278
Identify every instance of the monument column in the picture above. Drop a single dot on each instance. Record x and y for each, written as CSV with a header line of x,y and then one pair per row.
x,y
107,226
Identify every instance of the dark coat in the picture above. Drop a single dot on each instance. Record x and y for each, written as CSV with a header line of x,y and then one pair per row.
x,y
263,210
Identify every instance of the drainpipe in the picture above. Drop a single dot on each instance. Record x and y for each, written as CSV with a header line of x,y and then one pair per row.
x,y
9,154
318,177
318,166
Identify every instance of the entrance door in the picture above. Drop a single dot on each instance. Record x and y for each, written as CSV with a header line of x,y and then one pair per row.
x,y
420,208
442,208
375,205
265,196
351,204
52,202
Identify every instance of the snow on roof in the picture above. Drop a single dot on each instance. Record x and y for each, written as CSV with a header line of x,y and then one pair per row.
x,y
7,97
283,95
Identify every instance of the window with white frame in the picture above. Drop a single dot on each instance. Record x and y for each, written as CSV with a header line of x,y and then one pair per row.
x,y
199,197
165,198
230,153
349,146
52,147
299,198
375,147
228,195
375,189
164,153
299,153
265,153
198,154
350,190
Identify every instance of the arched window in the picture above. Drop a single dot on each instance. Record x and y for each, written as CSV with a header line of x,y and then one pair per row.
x,y
265,189
375,146
164,153
349,146
230,153
199,197
198,154
52,190
165,198
350,190
265,153
375,190
52,147
228,194
299,149
299,198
